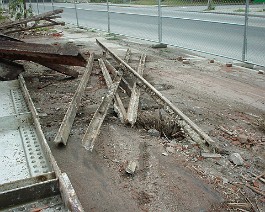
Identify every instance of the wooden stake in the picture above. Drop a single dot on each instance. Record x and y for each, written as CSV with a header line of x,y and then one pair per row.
x,y
135,96
118,105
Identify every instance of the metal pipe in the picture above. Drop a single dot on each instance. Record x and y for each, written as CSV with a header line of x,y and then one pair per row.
x,y
52,5
76,15
43,5
38,7
244,52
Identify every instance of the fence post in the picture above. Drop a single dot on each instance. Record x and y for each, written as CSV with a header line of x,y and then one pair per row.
x,y
76,14
43,5
52,5
244,52
159,22
38,6
108,16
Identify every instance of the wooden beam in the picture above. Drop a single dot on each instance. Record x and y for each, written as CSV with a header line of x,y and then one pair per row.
x,y
118,105
66,125
93,129
135,96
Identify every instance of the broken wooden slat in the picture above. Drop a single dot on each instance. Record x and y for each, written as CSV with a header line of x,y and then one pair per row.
x,y
135,96
67,54
65,128
127,56
187,125
118,105
34,18
124,84
99,116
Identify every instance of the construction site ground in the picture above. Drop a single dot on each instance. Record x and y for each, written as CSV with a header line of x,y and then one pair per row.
x,y
228,103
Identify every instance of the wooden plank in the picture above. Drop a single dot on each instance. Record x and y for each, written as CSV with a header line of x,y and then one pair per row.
x,y
53,23
99,116
66,125
118,105
135,96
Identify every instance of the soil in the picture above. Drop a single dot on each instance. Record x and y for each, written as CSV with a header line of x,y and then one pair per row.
x,y
228,103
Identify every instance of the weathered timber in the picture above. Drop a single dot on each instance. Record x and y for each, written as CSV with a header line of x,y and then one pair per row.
x,y
66,125
60,68
93,129
187,125
53,23
66,54
135,96
118,105
33,18
124,84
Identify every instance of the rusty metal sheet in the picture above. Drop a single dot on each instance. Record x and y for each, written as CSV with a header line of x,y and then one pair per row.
x,y
66,54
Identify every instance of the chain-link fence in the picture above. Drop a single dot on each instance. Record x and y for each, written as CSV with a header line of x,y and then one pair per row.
x,y
230,28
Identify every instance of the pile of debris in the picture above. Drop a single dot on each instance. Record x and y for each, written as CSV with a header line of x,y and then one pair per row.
x,y
55,57
131,82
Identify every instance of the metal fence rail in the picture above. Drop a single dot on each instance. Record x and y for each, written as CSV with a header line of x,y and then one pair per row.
x,y
233,29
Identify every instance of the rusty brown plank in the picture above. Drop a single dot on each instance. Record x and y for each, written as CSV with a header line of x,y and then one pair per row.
x,y
67,54
59,68
62,69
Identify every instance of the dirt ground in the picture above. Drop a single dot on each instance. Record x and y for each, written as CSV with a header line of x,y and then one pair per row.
x,y
228,103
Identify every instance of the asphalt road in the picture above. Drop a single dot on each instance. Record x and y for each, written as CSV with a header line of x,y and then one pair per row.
x,y
219,34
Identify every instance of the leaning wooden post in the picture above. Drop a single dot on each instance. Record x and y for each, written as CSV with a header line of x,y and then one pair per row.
x,y
65,128
135,96
118,105
99,116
